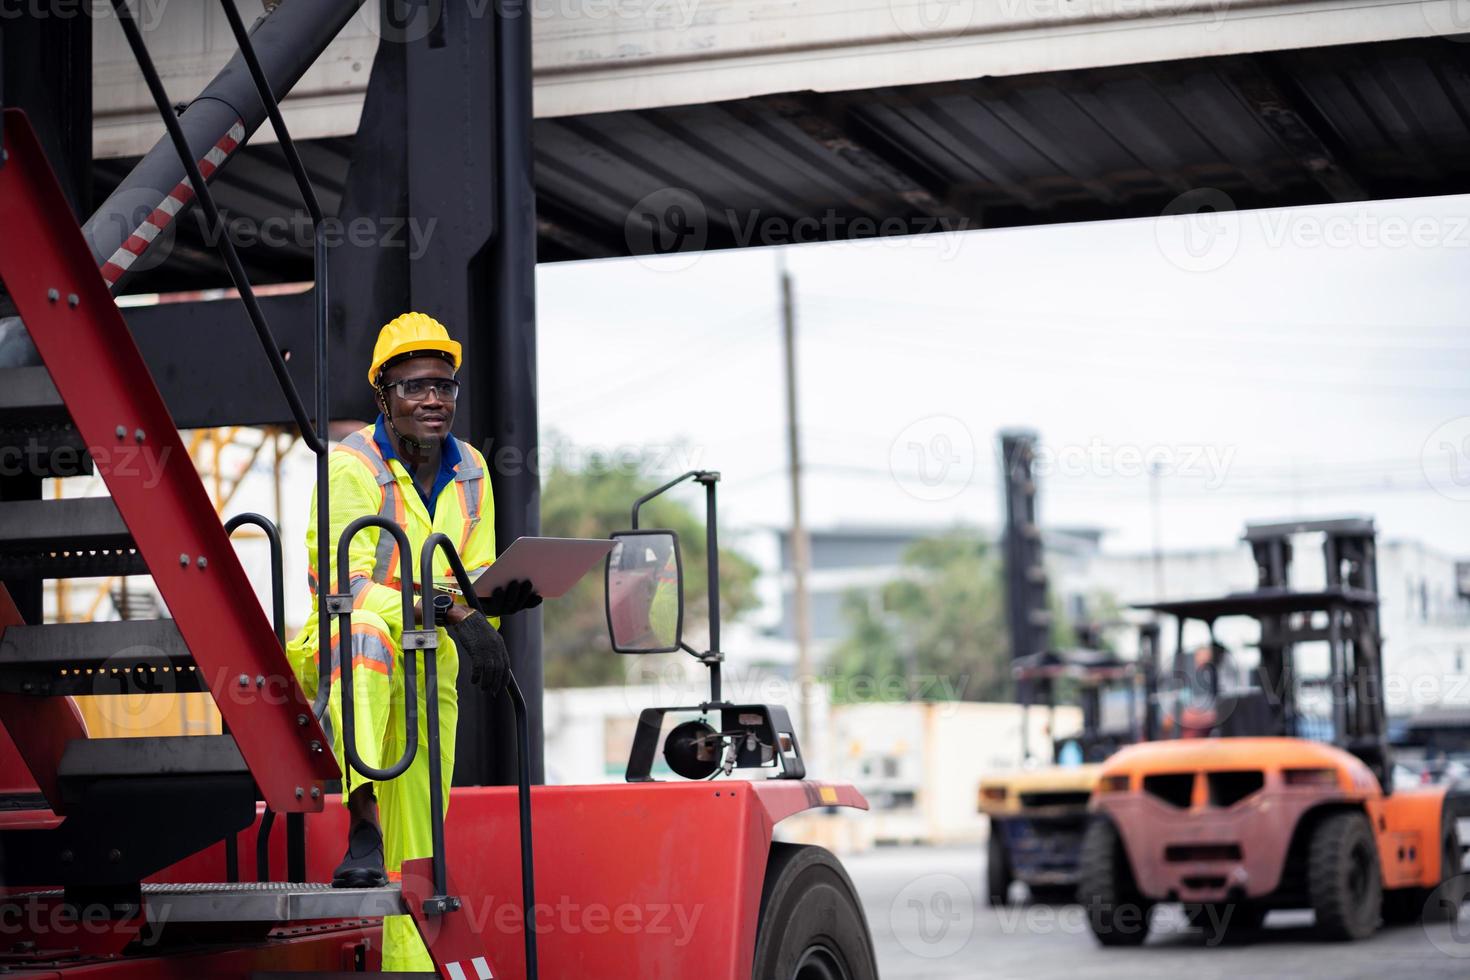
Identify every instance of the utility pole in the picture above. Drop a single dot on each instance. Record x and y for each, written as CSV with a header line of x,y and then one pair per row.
x,y
800,546
1155,474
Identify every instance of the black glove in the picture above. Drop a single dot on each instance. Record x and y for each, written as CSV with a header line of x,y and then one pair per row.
x,y
512,597
482,645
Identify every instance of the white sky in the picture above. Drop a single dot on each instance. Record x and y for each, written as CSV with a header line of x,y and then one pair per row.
x,y
1281,363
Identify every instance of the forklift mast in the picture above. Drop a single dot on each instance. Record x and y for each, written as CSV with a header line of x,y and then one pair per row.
x,y
1352,632
1027,613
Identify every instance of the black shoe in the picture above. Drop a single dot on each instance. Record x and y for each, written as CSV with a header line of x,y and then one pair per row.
x,y
363,865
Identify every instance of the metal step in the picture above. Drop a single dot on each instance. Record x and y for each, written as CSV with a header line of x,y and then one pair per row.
x,y
89,760
27,394
76,538
36,432
145,656
265,902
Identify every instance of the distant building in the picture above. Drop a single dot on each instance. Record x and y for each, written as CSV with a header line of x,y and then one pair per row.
x,y
863,557
1425,610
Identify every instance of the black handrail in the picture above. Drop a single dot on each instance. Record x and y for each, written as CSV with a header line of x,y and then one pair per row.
x,y
273,535
263,846
278,620
344,652
441,542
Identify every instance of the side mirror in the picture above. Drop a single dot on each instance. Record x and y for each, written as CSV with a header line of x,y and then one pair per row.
x,y
645,592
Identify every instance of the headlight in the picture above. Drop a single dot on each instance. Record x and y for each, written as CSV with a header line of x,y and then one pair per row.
x,y
993,794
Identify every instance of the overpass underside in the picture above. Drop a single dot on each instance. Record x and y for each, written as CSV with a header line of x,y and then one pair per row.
x,y
1271,129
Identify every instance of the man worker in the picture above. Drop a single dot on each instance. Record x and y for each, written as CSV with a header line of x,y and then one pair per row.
x,y
406,467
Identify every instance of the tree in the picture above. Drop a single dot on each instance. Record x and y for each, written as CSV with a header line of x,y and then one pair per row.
x,y
594,500
940,626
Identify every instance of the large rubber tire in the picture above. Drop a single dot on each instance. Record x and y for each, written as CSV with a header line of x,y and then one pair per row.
x,y
1116,911
811,924
1343,877
1439,904
998,875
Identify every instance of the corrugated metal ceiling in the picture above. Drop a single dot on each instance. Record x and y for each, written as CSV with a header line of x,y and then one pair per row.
x,y
1369,121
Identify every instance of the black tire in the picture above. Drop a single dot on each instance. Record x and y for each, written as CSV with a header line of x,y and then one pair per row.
x,y
1442,903
1116,911
811,924
1408,905
998,875
1343,878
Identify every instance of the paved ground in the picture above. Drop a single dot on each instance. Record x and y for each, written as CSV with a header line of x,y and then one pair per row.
x,y
929,920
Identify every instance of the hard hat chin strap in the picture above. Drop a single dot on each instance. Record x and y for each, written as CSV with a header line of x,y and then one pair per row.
x,y
415,447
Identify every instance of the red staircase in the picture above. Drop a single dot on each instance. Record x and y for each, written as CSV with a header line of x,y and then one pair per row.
x,y
158,518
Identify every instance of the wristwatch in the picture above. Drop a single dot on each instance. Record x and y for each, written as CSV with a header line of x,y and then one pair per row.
x,y
443,602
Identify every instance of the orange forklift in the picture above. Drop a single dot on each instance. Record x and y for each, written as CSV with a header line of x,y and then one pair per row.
x,y
1257,802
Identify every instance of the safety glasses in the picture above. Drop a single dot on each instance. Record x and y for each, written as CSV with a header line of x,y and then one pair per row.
x,y
418,389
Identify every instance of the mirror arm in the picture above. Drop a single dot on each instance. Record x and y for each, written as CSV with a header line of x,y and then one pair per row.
x,y
709,478
654,493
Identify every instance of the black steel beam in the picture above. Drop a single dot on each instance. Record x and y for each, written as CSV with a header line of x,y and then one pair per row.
x,y
1298,127
46,69
468,140
561,232
829,121
510,418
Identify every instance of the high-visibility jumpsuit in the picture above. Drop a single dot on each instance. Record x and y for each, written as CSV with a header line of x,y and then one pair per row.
x,y
362,482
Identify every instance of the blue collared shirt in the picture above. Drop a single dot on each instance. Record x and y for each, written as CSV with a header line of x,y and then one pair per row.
x,y
449,460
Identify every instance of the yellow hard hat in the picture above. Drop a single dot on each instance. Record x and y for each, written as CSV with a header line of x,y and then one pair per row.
x,y
406,334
